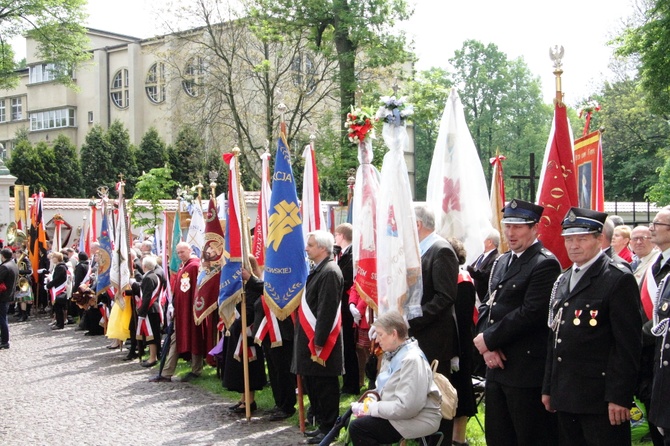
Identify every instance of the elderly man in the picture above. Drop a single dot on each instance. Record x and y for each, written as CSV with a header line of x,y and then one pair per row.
x,y
513,333
480,270
9,276
317,353
644,250
594,352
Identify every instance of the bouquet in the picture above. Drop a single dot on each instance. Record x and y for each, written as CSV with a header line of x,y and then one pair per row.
x,y
394,111
359,124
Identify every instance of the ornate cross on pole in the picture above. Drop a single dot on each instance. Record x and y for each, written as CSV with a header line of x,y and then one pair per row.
x,y
531,177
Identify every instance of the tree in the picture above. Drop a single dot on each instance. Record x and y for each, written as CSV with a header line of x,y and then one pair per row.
x,y
659,192
152,186
648,38
96,162
152,152
183,157
122,155
56,27
67,169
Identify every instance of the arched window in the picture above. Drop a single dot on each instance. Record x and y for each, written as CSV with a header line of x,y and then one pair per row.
x,y
304,73
193,77
155,83
119,89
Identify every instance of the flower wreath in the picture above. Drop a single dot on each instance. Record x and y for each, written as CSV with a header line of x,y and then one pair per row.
x,y
360,123
394,111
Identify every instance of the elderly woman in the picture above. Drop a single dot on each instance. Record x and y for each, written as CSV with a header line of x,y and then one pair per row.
x,y
410,401
620,241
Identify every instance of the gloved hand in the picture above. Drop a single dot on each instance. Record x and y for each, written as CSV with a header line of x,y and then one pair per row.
x,y
41,270
455,364
358,409
355,313
170,312
372,334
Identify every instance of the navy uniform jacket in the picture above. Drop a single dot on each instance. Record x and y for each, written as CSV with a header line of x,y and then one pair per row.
x,y
592,363
516,322
659,410
481,274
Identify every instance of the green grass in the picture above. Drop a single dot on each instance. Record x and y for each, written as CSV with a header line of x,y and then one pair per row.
x,y
210,382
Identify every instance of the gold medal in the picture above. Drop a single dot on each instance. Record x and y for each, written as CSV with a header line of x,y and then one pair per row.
x,y
664,307
576,321
593,322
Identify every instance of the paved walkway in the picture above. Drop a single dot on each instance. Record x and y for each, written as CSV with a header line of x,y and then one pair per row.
x,y
64,388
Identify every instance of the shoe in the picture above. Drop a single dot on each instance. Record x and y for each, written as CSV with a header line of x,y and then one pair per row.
x,y
113,347
149,364
24,318
188,377
280,415
56,327
130,357
235,406
4,346
52,323
316,439
70,321
160,379
242,409
313,433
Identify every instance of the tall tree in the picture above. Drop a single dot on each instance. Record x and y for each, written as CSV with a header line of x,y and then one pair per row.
x,y
648,38
96,162
56,26
184,157
152,152
67,169
122,155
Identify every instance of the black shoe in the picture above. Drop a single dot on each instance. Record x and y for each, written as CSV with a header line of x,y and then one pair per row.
x,y
190,376
149,364
130,357
160,379
56,327
235,406
24,318
243,410
313,433
280,415
316,439
4,346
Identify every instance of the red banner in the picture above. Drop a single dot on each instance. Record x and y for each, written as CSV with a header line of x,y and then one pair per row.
x,y
589,161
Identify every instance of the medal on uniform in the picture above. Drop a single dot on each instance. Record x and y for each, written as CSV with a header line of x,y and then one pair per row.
x,y
593,322
576,320
664,307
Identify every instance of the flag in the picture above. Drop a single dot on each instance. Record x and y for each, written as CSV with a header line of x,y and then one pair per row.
x,y
498,197
209,276
196,230
312,219
557,191
92,228
456,189
261,229
285,258
104,255
21,195
120,269
38,235
176,238
589,162
399,283
230,288
364,219
81,246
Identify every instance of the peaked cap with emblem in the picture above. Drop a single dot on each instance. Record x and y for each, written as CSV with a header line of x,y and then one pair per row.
x,y
519,212
583,221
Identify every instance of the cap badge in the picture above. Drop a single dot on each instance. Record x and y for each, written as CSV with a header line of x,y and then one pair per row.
x,y
572,217
513,204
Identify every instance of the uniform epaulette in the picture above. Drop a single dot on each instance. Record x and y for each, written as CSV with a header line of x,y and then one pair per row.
x,y
618,266
547,253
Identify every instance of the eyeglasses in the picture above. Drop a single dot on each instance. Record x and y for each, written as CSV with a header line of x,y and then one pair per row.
x,y
639,239
655,223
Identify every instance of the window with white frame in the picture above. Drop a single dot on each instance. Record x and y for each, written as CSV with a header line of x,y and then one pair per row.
x,y
52,119
304,73
193,77
3,111
155,83
42,73
17,109
119,89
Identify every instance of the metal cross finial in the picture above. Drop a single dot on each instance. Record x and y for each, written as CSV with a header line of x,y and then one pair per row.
x,y
358,95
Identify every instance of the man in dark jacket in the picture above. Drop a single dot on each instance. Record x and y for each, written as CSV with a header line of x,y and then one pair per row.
x,y
594,350
480,270
513,333
9,275
317,355
436,329
344,257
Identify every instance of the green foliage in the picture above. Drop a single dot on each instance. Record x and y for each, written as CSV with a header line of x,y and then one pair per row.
x,y
650,42
54,24
659,192
184,155
66,169
152,152
152,186
122,155
96,162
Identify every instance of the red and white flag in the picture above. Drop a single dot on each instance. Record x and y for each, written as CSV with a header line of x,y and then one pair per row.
x,y
557,191
312,218
261,229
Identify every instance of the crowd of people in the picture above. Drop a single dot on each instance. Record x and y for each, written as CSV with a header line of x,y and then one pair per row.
x,y
563,352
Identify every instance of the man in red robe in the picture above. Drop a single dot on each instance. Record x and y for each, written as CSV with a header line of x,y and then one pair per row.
x,y
187,339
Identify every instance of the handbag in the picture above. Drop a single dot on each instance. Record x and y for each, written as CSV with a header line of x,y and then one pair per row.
x,y
448,395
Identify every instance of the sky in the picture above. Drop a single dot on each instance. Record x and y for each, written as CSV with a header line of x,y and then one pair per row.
x,y
519,28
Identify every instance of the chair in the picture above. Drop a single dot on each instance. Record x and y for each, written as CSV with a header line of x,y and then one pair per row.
x,y
479,387
424,440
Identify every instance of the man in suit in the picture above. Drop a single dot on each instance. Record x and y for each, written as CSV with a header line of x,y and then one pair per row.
x,y
659,413
436,330
513,333
9,276
644,250
344,257
317,353
594,351
480,270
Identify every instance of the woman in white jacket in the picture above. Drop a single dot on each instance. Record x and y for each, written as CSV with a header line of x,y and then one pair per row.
x,y
410,401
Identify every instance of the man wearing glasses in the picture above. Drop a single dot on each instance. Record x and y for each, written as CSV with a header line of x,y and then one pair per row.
x,y
644,250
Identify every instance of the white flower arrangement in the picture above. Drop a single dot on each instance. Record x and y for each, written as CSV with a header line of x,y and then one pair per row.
x,y
394,111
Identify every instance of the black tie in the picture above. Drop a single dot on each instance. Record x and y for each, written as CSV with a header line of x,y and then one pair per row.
x,y
511,262
656,267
